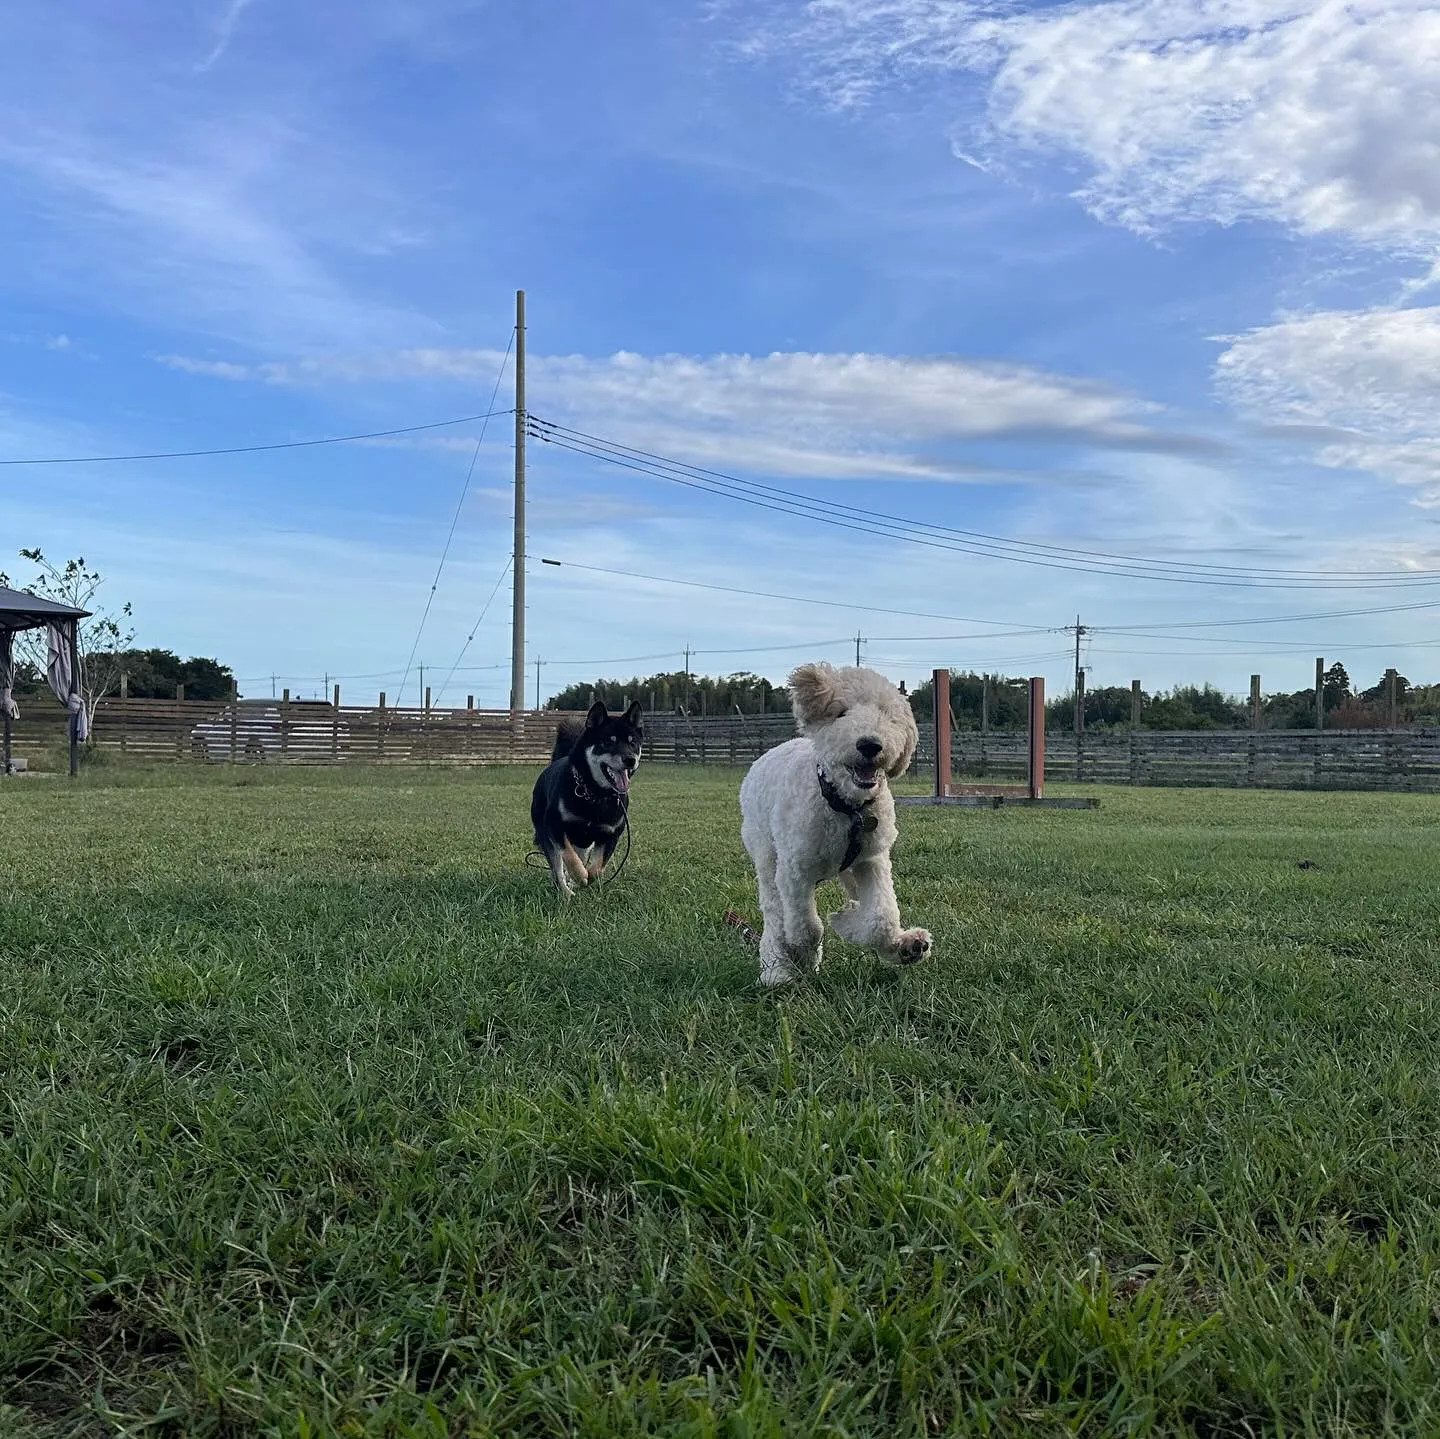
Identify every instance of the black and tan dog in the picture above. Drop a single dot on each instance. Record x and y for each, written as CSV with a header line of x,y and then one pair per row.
x,y
579,804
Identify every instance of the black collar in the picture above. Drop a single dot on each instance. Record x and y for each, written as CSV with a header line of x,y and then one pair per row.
x,y
583,791
860,821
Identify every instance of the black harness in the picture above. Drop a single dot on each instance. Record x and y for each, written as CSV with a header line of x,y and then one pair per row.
x,y
861,822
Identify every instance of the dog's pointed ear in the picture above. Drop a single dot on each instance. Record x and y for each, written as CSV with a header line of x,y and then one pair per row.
x,y
597,716
812,692
634,714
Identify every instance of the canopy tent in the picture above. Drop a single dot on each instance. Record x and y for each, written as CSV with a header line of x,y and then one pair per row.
x,y
21,611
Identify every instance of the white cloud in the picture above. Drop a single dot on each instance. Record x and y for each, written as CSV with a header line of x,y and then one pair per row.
x,y
225,32
1321,116
214,369
837,415
1365,378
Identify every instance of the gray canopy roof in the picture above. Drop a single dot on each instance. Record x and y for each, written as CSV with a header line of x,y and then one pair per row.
x,y
21,611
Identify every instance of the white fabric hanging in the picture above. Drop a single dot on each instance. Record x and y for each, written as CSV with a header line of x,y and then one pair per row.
x,y
64,681
7,675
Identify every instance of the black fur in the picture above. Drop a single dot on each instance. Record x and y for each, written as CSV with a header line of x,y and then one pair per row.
x,y
573,802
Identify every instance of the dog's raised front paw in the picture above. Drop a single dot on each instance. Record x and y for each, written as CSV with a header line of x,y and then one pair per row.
x,y
912,946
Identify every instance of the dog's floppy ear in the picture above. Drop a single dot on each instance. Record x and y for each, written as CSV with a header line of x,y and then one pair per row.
x,y
813,692
901,762
597,716
634,713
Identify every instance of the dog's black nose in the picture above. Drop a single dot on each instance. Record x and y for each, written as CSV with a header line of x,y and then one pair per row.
x,y
869,747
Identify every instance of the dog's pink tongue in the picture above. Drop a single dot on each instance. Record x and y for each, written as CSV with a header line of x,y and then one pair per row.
x,y
622,780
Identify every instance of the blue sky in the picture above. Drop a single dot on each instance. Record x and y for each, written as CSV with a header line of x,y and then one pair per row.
x,y
1147,277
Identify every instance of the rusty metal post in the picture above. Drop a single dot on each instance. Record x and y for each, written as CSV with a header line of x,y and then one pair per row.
x,y
1037,737
940,702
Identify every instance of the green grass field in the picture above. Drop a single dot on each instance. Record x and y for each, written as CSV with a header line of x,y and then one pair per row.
x,y
318,1115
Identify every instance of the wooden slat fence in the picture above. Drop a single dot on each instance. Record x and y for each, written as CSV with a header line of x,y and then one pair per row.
x,y
1371,759
194,731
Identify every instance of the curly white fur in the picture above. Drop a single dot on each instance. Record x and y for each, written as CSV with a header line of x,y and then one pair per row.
x,y
858,728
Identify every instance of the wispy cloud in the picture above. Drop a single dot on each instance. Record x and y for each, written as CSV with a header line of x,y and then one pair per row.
x,y
1318,115
225,32
1361,381
837,415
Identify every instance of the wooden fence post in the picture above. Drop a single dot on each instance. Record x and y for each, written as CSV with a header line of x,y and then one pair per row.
x,y
1392,705
124,711
1319,694
234,721
284,724
380,722
1080,724
335,730
1254,701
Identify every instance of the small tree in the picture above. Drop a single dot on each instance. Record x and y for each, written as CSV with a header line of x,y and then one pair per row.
x,y
99,639
1336,686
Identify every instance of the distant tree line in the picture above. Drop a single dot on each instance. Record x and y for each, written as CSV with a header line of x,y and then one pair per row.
x,y
1003,702
1206,707
150,674
717,694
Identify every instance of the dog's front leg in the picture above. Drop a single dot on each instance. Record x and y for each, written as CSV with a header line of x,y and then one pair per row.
x,y
872,918
598,855
555,853
575,864
804,934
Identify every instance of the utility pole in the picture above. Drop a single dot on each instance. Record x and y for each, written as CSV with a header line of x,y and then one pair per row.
x,y
517,567
1080,630
858,643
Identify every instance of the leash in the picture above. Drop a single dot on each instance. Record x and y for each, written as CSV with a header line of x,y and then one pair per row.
x,y
734,917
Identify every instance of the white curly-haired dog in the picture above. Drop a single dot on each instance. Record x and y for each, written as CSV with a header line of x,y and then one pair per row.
x,y
818,807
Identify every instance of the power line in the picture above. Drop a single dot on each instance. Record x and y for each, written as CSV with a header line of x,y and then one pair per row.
x,y
1138,631
791,599
455,519
257,449
1024,546
476,626
870,522
1271,619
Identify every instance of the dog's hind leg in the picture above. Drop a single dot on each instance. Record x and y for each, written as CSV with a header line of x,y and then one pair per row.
x,y
846,916
872,917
